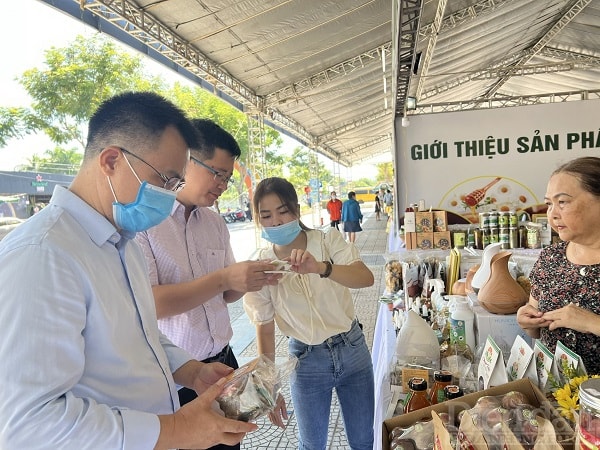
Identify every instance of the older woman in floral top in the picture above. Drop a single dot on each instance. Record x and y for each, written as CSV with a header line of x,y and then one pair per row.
x,y
564,304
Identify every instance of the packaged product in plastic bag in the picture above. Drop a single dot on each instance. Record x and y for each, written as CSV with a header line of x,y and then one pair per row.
x,y
251,391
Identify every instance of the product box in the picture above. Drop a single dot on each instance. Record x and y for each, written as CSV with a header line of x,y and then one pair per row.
x,y
502,327
440,221
409,222
564,433
424,221
441,240
425,241
410,240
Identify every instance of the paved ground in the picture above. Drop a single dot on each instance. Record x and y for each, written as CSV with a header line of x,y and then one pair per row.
x,y
372,245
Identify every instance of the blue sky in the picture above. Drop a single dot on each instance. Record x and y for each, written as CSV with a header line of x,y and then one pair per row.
x,y
23,49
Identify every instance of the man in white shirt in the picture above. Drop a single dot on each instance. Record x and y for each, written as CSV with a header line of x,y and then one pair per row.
x,y
83,362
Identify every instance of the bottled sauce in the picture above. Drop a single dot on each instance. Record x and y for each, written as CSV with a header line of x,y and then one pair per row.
x,y
417,397
441,379
453,391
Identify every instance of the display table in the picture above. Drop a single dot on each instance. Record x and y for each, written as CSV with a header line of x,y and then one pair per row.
x,y
382,353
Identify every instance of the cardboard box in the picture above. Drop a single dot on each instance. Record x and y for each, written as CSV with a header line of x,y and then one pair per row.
x,y
440,221
441,239
564,433
503,328
410,240
424,221
425,241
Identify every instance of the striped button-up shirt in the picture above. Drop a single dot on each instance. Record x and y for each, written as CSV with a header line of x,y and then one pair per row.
x,y
179,251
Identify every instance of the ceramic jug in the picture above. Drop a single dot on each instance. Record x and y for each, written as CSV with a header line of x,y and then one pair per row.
x,y
483,273
501,294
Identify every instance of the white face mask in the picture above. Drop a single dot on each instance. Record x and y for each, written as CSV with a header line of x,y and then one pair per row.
x,y
333,197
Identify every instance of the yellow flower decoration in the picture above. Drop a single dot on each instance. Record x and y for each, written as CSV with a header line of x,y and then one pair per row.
x,y
567,396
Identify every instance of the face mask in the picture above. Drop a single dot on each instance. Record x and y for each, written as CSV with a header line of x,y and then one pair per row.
x,y
151,206
333,197
283,234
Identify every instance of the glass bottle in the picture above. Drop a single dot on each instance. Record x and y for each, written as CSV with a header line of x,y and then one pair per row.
x,y
417,398
441,379
453,391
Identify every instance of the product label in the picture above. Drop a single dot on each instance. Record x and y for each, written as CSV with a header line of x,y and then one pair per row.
x,y
458,333
410,222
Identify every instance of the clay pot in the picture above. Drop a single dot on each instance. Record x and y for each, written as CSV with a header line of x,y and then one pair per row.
x,y
501,294
469,278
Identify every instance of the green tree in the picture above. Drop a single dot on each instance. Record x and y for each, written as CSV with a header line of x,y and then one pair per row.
x,y
385,172
58,160
74,81
299,163
197,102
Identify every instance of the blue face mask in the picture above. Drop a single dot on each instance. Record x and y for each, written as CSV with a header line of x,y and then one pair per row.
x,y
152,205
283,234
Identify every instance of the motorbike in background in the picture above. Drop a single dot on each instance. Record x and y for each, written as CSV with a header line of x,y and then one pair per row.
x,y
237,215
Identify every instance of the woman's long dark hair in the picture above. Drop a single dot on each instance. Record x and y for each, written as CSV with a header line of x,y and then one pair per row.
x,y
284,190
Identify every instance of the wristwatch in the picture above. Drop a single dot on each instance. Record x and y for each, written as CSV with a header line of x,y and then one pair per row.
x,y
328,269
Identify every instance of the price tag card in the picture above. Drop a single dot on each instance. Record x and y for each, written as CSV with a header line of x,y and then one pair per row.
x,y
491,370
544,364
520,362
565,356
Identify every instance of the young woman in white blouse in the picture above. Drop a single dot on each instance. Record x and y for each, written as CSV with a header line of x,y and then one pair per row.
x,y
312,305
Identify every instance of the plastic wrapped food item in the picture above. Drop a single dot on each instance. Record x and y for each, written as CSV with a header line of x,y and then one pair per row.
x,y
251,391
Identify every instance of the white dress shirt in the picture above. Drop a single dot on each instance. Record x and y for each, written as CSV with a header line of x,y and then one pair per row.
x,y
83,364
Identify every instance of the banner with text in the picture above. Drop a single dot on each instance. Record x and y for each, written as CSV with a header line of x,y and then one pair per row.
x,y
472,161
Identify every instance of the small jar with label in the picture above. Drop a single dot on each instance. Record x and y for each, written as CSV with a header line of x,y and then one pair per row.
x,y
441,379
503,219
417,397
504,238
533,234
589,415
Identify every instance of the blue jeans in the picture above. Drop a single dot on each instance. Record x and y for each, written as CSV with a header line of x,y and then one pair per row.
x,y
342,362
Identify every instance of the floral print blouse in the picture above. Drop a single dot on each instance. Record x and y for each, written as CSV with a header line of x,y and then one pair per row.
x,y
556,282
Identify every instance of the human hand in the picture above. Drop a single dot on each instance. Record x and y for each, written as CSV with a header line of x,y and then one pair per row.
x,y
531,318
279,413
250,276
574,317
198,425
208,374
302,261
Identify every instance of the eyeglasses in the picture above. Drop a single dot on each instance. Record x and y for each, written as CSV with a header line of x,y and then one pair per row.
x,y
220,176
171,183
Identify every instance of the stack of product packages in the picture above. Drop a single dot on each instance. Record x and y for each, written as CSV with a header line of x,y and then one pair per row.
x,y
438,366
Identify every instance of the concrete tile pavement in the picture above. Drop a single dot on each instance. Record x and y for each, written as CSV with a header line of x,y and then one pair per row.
x,y
372,244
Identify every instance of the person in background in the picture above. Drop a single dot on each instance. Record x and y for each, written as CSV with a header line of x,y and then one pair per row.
x,y
388,201
351,216
377,207
191,264
313,306
564,304
334,208
83,362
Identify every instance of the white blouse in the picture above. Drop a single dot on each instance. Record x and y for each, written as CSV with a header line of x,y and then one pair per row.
x,y
307,307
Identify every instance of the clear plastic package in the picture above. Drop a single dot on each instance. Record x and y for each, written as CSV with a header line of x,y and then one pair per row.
x,y
251,391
